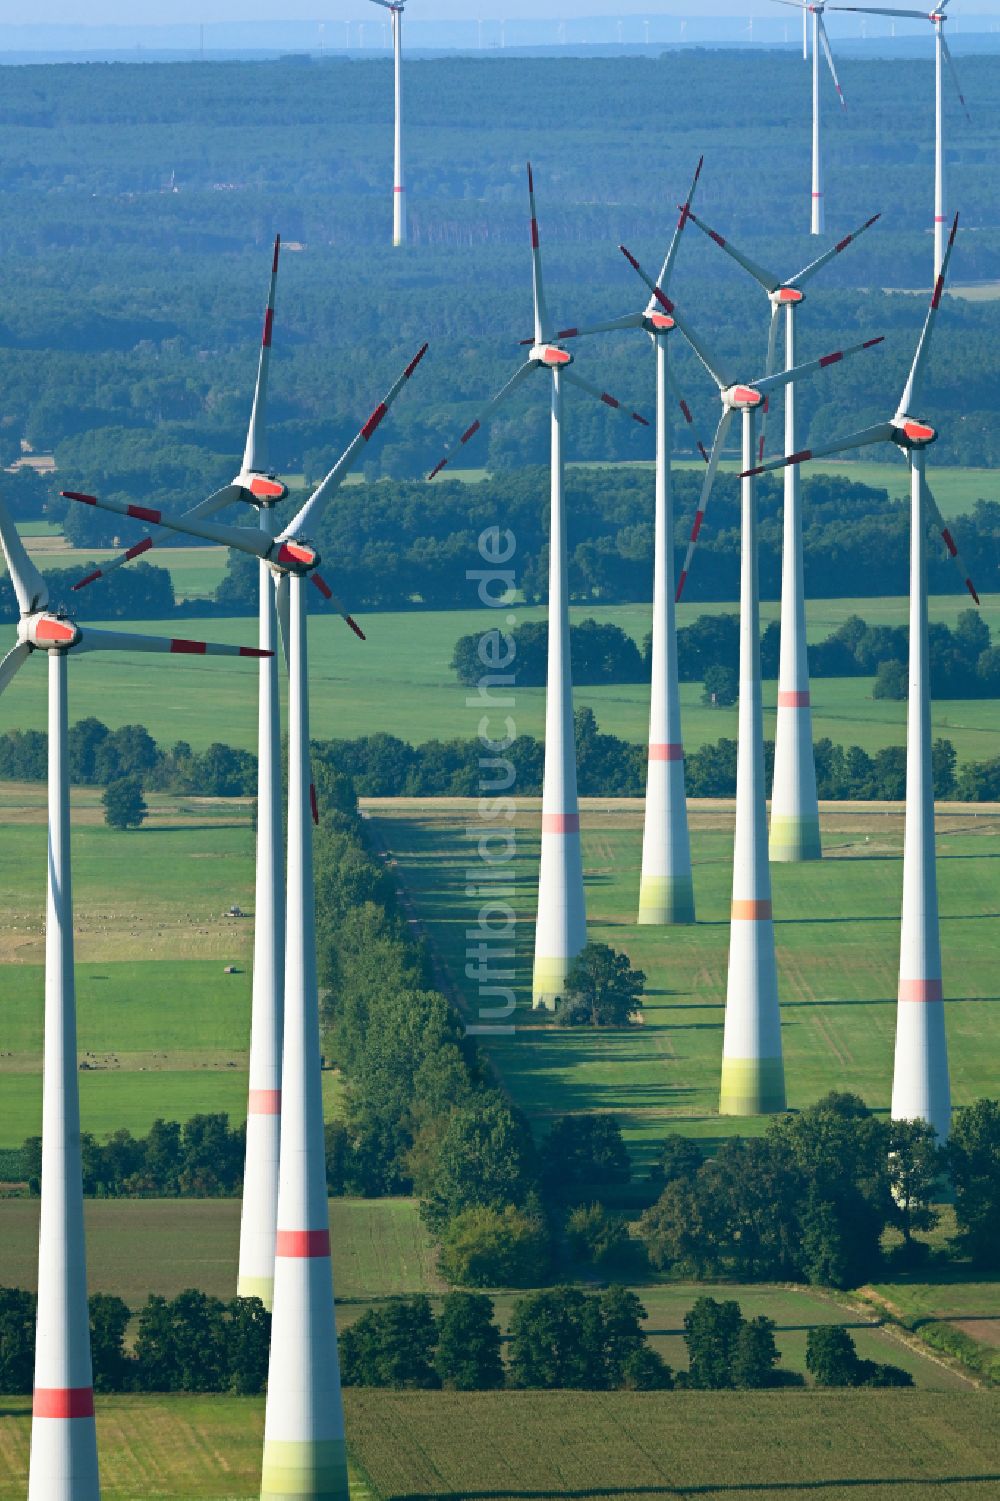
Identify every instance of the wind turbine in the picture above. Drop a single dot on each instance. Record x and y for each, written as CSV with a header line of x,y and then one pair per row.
x,y
795,833
63,1440
666,890
942,53
920,1086
816,8
561,922
256,485
753,1080
304,1454
395,7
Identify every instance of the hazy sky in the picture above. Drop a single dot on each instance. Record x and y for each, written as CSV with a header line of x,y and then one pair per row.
x,y
167,12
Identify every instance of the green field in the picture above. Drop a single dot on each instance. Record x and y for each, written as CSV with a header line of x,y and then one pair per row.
x,y
837,933
956,490
399,681
540,1446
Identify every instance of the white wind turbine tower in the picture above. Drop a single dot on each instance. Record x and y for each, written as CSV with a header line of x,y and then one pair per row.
x,y
816,8
304,1452
753,1078
395,8
666,890
920,1085
63,1439
942,54
561,922
795,833
256,485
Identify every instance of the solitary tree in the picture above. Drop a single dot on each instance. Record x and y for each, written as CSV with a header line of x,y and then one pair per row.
x,y
602,989
722,687
973,1154
124,804
711,1331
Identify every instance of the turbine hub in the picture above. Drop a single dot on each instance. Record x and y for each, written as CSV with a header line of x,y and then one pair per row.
x,y
743,397
551,355
913,434
49,632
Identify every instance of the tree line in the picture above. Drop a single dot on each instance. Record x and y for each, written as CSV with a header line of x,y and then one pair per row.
x,y
190,1343
963,662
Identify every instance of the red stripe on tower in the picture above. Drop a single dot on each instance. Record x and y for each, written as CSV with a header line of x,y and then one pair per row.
x,y
264,1102
63,1402
302,1243
560,823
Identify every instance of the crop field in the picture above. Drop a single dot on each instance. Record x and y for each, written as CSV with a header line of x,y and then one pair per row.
x,y
400,682
160,1034
139,1246
837,931
956,490
542,1446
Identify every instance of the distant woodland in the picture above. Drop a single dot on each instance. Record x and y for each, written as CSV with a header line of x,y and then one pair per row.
x,y
140,202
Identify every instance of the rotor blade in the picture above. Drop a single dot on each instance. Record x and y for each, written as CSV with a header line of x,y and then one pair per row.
x,y
954,76
825,42
341,609
384,3
13,662
91,640
795,4
609,401
709,361
881,432
772,348
314,507
282,606
628,320
911,391
244,538
481,416
786,377
686,414
675,240
29,586
206,507
767,279
828,255
537,289
706,491
255,452
878,10
949,541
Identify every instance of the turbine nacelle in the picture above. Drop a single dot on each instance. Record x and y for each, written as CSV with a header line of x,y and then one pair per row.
x,y
550,355
655,322
782,296
260,489
295,557
742,398
907,432
45,632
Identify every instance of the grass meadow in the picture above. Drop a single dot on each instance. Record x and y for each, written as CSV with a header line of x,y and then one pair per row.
x,y
400,681
538,1446
837,932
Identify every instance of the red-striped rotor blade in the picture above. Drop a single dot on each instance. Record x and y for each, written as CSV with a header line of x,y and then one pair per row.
x,y
94,640
207,507
687,414
255,451
706,492
911,391
481,416
765,278
604,396
881,432
828,255
341,609
949,541
781,378
542,324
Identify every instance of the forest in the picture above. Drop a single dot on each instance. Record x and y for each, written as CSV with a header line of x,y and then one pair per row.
x,y
142,202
